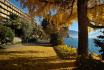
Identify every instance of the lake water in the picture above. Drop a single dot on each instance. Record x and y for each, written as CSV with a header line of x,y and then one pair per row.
x,y
74,42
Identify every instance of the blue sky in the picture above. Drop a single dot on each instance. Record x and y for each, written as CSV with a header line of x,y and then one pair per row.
x,y
74,26
17,4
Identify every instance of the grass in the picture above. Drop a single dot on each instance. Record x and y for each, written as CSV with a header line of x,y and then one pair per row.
x,y
29,57
28,51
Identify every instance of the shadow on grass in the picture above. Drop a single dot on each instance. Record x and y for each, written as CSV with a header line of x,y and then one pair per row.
x,y
90,64
19,52
37,44
64,56
1,47
33,64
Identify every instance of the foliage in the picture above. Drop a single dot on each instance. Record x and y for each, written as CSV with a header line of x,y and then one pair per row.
x,y
48,28
6,35
55,39
89,64
43,8
20,27
32,40
27,30
13,16
95,12
99,42
56,36
64,11
66,52
44,23
14,22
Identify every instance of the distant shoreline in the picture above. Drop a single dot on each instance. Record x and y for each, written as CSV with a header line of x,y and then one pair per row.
x,y
74,43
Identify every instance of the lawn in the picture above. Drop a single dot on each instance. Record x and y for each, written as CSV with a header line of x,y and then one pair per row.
x,y
30,57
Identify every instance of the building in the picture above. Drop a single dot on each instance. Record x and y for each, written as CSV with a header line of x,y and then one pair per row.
x,y
6,8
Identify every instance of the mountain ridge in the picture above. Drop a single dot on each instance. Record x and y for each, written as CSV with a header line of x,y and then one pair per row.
x,y
93,34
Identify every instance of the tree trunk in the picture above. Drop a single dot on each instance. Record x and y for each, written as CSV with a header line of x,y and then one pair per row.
x,y
83,28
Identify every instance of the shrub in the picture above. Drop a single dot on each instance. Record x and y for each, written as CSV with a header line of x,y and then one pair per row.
x,y
66,52
32,40
6,35
89,64
21,27
45,23
27,30
55,39
14,22
56,34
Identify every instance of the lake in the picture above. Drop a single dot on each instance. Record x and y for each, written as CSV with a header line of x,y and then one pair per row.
x,y
74,42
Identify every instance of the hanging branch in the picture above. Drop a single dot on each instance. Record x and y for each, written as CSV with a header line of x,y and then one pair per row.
x,y
95,26
96,4
71,7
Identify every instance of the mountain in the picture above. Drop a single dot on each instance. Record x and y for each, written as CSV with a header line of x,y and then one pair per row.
x,y
93,34
73,34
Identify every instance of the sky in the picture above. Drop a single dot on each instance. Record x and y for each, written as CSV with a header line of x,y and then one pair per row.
x,y
74,26
17,4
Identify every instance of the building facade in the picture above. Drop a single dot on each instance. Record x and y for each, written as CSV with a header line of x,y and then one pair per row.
x,y
6,8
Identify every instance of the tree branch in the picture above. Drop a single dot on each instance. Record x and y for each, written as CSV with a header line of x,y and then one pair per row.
x,y
72,4
95,26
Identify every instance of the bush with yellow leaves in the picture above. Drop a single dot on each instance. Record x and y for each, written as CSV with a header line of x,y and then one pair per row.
x,y
66,52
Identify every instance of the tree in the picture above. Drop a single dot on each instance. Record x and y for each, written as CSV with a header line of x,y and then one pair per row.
x,y
64,11
84,20
83,28
6,35
55,35
99,42
14,22
57,23
19,26
27,30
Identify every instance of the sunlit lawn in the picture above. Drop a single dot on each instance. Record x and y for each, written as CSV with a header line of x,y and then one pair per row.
x,y
27,51
28,57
